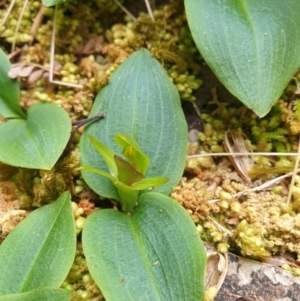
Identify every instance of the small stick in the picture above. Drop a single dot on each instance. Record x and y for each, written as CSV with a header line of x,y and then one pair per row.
x,y
197,110
37,21
241,154
18,25
12,54
294,176
125,10
78,124
52,54
149,9
81,122
257,188
220,227
12,3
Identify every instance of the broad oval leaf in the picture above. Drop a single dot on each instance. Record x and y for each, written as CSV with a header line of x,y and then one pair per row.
x,y
40,250
141,102
40,294
38,141
9,91
251,45
154,254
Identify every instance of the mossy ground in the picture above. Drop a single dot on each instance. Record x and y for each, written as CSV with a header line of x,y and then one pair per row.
x,y
92,39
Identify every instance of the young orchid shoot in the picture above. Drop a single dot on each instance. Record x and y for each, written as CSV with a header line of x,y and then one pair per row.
x,y
128,175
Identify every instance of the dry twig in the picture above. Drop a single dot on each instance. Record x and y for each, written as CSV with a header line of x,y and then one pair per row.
x,y
52,62
125,10
258,188
18,25
149,9
294,175
37,21
8,11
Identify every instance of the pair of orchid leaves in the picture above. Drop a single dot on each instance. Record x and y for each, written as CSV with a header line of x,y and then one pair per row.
x,y
128,176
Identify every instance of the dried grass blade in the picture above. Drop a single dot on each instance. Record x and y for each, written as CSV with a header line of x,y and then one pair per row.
x,y
125,10
37,21
294,175
52,61
8,11
18,25
242,164
258,188
149,9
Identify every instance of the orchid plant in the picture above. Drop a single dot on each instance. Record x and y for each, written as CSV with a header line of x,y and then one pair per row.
x,y
127,175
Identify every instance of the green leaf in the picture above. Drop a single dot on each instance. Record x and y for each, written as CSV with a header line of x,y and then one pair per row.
x,y
40,294
9,91
141,102
154,254
40,250
149,183
107,154
126,173
251,45
99,172
38,141
53,2
133,153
